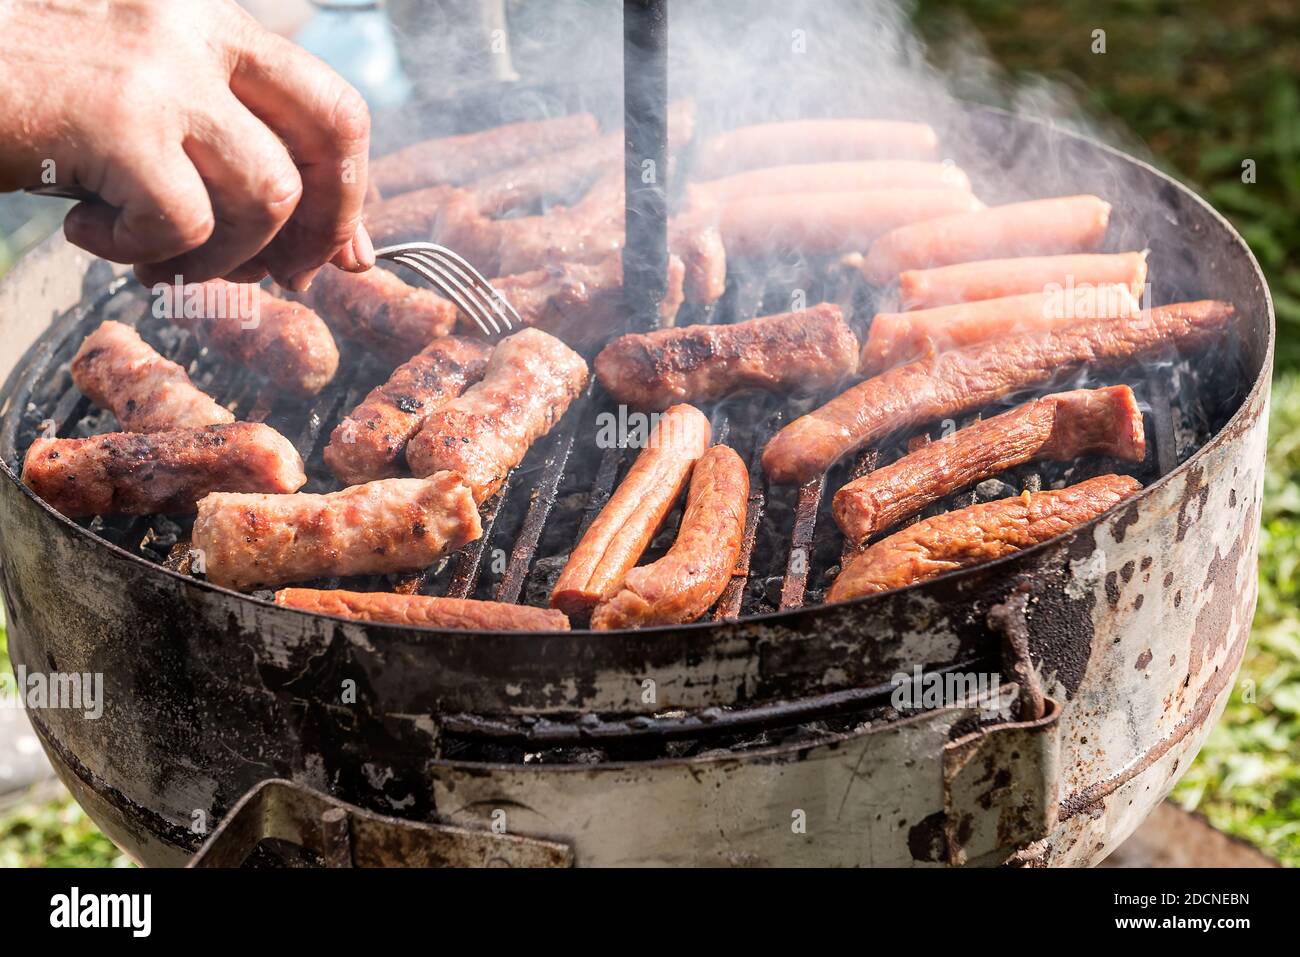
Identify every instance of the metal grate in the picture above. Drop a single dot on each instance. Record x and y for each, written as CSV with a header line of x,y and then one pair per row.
x,y
791,549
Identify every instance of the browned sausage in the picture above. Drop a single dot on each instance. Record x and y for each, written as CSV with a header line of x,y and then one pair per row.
x,y
846,177
1040,227
459,159
422,611
397,525
684,584
370,443
161,473
381,311
955,382
809,350
530,380
1056,427
119,371
977,534
620,534
284,341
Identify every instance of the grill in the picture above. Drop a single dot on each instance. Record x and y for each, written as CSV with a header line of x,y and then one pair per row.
x,y
1116,644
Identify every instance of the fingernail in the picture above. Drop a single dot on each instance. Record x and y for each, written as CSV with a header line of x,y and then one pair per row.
x,y
302,281
363,248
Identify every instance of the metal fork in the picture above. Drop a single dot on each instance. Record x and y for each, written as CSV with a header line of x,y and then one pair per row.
x,y
458,281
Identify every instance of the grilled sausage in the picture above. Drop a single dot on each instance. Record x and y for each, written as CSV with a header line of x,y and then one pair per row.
x,y
284,341
1056,427
620,534
829,178
825,224
397,525
813,141
119,371
589,232
421,611
381,311
896,337
955,382
581,304
370,443
460,159
813,349
977,534
684,584
1041,227
996,278
161,473
564,175
530,380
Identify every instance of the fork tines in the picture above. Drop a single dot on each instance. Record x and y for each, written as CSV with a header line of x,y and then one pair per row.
x,y
460,282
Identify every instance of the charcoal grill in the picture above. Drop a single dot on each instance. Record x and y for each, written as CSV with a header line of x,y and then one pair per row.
x,y
763,734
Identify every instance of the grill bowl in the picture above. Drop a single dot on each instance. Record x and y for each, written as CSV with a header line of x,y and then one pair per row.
x,y
209,692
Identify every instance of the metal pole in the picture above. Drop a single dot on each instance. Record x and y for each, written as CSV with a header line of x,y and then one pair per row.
x,y
645,117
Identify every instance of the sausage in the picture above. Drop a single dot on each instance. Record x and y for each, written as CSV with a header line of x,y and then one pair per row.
x,y
381,311
530,380
809,350
954,382
1040,227
397,525
460,159
996,278
636,511
422,611
977,534
119,371
824,224
813,141
161,473
370,443
283,341
829,178
564,175
1056,427
589,232
580,303
684,584
896,337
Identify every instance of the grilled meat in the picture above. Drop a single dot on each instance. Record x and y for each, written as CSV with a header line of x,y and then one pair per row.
x,y
421,611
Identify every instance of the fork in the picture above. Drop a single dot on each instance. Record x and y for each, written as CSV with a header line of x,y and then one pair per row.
x,y
450,272
458,281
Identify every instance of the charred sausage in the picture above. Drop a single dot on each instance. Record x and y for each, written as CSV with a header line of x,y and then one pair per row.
x,y
370,443
481,435
955,382
809,350
397,525
283,341
1056,427
119,371
381,311
161,473
977,534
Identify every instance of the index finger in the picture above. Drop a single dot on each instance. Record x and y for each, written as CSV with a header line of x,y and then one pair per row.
x,y
326,125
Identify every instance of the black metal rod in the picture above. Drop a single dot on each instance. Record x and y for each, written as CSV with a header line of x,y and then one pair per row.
x,y
645,118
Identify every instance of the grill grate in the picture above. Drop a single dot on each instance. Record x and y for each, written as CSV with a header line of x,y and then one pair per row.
x,y
792,549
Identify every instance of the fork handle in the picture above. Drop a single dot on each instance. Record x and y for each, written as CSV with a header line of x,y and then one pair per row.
x,y
79,193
